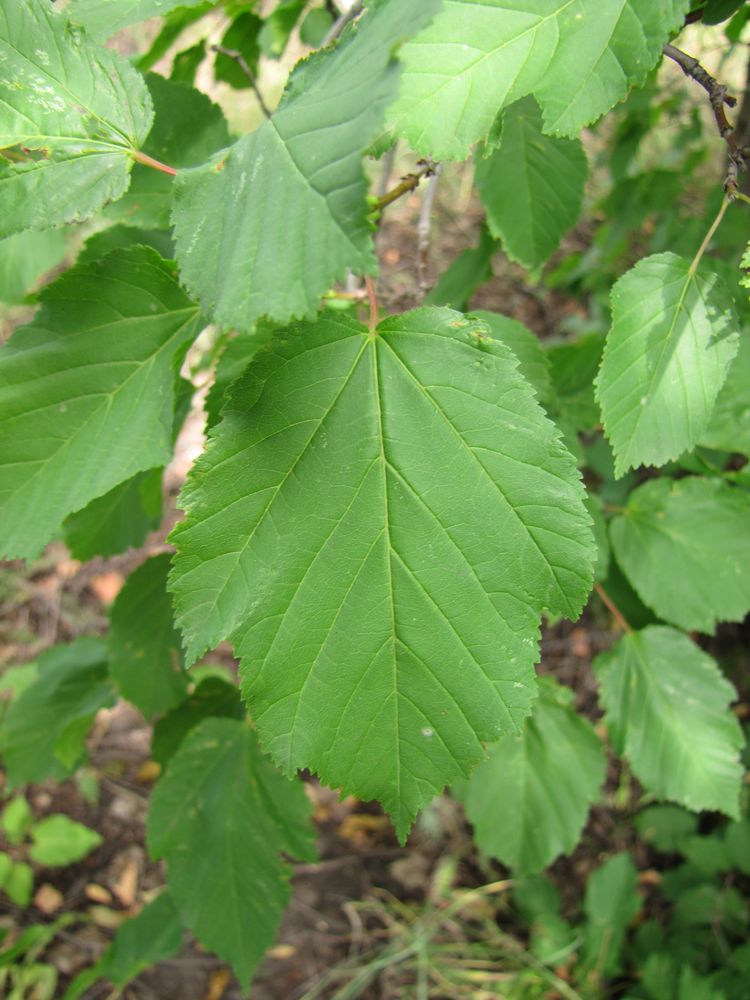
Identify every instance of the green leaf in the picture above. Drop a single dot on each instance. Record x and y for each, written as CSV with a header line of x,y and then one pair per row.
x,y
144,646
267,226
119,520
315,26
665,827
71,686
673,337
185,64
72,116
59,841
25,258
103,18
220,801
19,884
538,901
465,274
242,37
86,391
16,820
573,367
533,362
611,902
578,58
529,801
122,236
729,427
667,706
188,129
595,507
212,698
685,547
531,185
234,359
152,936
377,524
279,25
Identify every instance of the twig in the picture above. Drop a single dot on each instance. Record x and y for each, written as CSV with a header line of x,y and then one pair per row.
x,y
718,96
408,183
341,22
424,228
242,63
610,604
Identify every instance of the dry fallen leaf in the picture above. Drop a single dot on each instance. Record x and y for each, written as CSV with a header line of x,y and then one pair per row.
x,y
97,893
107,586
48,899
126,886
217,984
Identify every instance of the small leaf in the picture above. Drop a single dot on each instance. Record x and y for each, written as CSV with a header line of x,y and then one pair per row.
x,y
279,25
19,884
242,37
578,58
666,827
667,706
685,547
267,226
72,115
673,337
152,936
376,525
86,392
212,698
71,686
222,802
611,902
103,18
144,646
529,801
59,841
315,26
465,274
16,820
531,185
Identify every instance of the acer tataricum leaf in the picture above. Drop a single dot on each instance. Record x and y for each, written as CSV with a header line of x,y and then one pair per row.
x,y
265,228
71,115
87,391
577,57
377,524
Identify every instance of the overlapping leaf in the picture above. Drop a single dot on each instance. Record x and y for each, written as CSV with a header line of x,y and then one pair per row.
x,y
268,225
71,114
86,391
729,428
533,363
102,18
667,707
685,547
24,258
118,520
531,185
220,816
377,524
144,646
555,768
673,337
577,57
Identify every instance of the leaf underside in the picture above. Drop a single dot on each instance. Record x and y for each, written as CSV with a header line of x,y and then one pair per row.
x,y
71,114
377,524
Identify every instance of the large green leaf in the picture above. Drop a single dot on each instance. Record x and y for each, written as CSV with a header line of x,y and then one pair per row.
x,y
144,646
578,58
729,428
267,226
531,185
53,714
667,707
685,547
673,337
102,18
219,816
86,391
377,524
71,116
528,802
188,129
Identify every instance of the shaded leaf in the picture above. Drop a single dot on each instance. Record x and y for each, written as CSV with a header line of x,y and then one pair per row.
x,y
86,391
673,337
667,706
531,185
103,18
221,801
144,646
377,524
73,117
685,547
25,258
529,801
729,427
465,274
212,698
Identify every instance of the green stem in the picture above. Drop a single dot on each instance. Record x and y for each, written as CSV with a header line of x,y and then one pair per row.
x,y
709,236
